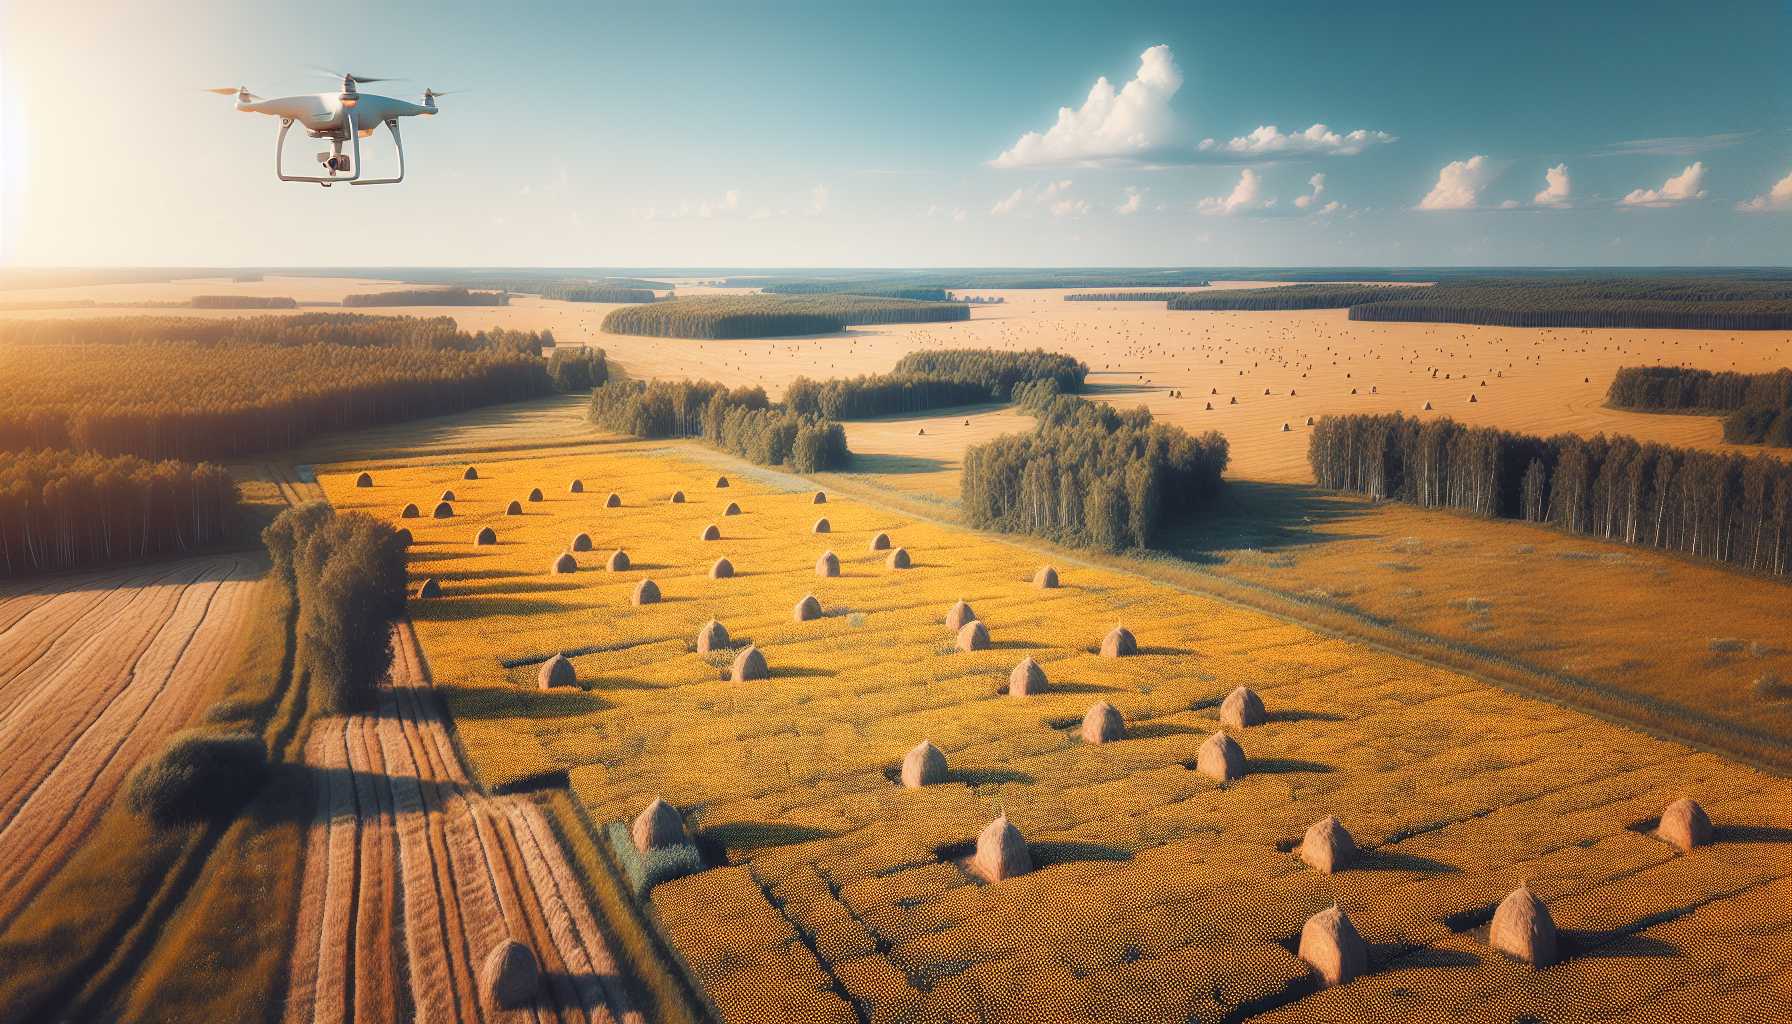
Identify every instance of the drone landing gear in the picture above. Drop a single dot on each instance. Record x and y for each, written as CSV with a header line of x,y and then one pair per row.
x,y
335,160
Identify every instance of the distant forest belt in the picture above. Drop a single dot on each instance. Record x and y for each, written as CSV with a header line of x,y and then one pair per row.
x,y
773,316
1694,303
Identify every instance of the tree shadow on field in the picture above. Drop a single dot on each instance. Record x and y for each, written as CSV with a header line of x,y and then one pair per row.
x,y
461,575
461,609
1098,392
880,463
1249,515
529,587
518,702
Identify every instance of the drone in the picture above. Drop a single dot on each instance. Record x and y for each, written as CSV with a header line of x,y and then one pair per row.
x,y
341,117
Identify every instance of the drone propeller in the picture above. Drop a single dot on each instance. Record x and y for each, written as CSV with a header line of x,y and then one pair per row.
x,y
429,93
349,76
241,90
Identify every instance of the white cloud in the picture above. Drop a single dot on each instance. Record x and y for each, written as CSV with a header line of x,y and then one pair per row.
x,y
1332,207
1003,207
1556,188
959,215
1673,145
1070,207
1053,195
1112,124
1459,185
731,199
1318,183
1268,142
1134,199
1681,188
1245,196
1777,198
818,200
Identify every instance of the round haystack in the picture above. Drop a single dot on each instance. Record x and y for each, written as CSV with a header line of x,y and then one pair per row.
x,y
364,480
827,565
511,976
1220,758
646,592
1522,928
565,563
712,637
430,588
822,526
1001,852
1026,679
1242,709
1102,723
1119,644
659,824
677,497
444,511
925,765
1327,847
581,542
1046,578
515,508
1684,825
721,481
1330,945
712,532
806,609
618,561
470,474
410,511
731,510
973,637
749,664
534,494
821,498
958,615
448,495
486,535
899,559
881,542
403,534
576,487
722,570
556,671
613,501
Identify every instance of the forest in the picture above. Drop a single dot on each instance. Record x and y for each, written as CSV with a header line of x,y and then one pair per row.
x,y
934,380
1759,404
1719,506
243,302
772,316
1699,303
1122,296
923,293
352,329
578,369
453,296
63,510
983,278
1090,475
1293,296
738,420
575,292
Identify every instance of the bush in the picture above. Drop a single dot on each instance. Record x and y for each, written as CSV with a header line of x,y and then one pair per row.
x,y
660,864
199,776
739,420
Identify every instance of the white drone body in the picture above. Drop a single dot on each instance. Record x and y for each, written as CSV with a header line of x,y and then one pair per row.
x,y
344,117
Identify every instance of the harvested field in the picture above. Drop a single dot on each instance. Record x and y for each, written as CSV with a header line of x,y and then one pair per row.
x,y
835,893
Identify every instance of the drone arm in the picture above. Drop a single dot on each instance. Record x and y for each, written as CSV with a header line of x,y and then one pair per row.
x,y
398,140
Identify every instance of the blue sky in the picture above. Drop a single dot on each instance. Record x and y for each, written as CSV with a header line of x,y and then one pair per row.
x,y
896,135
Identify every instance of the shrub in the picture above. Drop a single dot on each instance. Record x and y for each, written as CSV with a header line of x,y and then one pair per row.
x,y
199,776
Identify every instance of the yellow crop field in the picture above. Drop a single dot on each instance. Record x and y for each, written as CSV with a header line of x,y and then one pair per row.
x,y
833,893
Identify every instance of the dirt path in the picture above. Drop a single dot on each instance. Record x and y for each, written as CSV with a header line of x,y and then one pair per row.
x,y
94,671
412,877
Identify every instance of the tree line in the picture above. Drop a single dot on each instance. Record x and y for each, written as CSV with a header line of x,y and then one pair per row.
x,y
351,329
923,293
1025,279
1090,475
1293,296
1122,296
1719,506
1702,303
455,296
63,510
934,379
574,292
1759,404
773,316
738,420
243,302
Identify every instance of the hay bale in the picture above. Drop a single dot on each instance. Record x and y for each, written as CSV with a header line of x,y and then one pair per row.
x,y
1119,644
821,498
448,495
731,510
806,609
1046,578
722,570
677,497
534,494
899,559
712,637
410,511
364,480
958,615
485,536
925,765
1522,928
403,533
1242,709
618,561
556,671
822,526
749,664
444,511
1330,945
881,542
712,532
1102,723
613,501
471,474
827,565
1001,852
1220,758
646,592
659,824
511,976
973,637
580,542
430,588
576,487
1026,679
721,481
515,508
1327,847
565,563
1684,825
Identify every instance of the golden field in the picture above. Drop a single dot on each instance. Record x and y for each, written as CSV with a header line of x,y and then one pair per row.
x,y
1158,892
